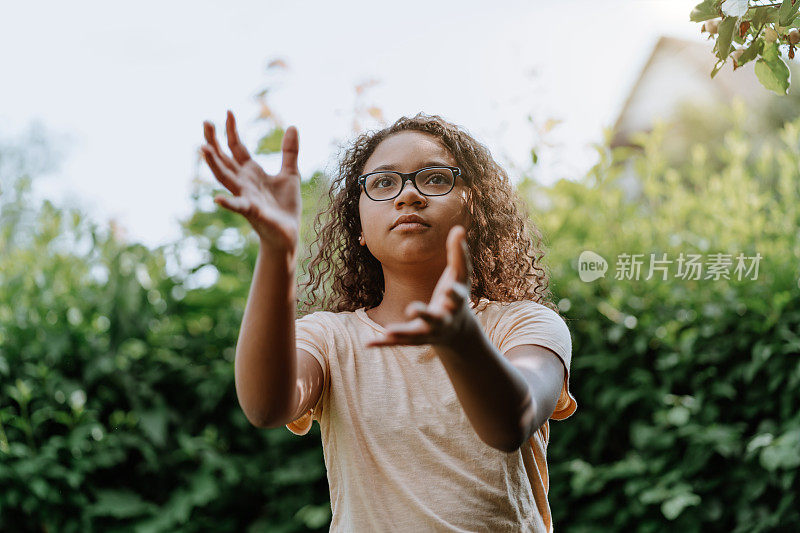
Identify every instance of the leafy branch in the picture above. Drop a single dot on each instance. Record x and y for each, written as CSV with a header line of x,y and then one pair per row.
x,y
741,22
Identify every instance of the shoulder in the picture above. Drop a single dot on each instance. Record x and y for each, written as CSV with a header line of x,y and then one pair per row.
x,y
328,321
322,316
317,332
523,310
315,316
526,318
530,308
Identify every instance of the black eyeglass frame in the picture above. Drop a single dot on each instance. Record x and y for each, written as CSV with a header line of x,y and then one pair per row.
x,y
406,176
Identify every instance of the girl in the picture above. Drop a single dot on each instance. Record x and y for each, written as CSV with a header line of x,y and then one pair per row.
x,y
437,356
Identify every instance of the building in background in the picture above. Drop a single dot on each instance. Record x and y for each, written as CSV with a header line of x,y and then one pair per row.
x,y
675,86
677,71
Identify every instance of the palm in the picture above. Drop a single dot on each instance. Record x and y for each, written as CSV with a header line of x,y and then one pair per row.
x,y
271,203
446,316
275,196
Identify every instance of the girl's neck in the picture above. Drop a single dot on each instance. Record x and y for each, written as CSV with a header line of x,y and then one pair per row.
x,y
402,289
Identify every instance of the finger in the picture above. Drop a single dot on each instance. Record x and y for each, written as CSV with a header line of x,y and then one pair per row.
x,y
211,138
457,253
399,341
221,172
420,310
434,319
458,293
290,146
237,204
413,307
240,153
418,326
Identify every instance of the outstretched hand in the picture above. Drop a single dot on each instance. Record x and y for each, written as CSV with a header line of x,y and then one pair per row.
x,y
447,317
271,203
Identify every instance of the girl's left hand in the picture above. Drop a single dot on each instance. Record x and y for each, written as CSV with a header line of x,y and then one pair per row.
x,y
447,317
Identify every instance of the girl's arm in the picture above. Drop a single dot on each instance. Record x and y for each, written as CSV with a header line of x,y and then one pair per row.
x,y
504,401
265,367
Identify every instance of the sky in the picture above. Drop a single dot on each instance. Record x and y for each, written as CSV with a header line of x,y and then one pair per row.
x,y
122,90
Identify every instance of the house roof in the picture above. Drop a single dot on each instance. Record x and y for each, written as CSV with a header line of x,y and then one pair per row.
x,y
679,70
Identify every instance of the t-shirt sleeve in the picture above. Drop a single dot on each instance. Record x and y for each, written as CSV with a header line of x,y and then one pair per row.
x,y
311,335
528,322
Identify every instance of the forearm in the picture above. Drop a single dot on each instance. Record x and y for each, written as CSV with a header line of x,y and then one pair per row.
x,y
265,365
492,392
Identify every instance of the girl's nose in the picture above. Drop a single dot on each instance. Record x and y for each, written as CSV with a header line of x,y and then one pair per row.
x,y
409,194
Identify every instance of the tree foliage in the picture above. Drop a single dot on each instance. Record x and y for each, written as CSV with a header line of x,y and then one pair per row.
x,y
760,28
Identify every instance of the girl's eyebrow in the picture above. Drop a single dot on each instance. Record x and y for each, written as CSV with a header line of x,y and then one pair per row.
x,y
426,164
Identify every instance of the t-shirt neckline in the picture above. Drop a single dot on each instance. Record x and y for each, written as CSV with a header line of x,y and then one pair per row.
x,y
362,314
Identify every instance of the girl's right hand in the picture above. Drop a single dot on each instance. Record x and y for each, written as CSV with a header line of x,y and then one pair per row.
x,y
271,203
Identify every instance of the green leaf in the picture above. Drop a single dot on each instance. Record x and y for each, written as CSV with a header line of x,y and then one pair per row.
x,y
787,11
718,66
770,53
759,441
771,71
759,17
314,516
751,52
725,36
678,416
704,11
120,504
271,142
764,15
673,507
154,425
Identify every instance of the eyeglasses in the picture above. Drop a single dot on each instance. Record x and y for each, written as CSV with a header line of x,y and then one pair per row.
x,y
429,181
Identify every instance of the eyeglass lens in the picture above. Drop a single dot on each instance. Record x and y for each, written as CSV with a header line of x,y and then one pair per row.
x,y
431,182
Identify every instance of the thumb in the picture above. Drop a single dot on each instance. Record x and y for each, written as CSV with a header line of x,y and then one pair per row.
x,y
290,146
458,254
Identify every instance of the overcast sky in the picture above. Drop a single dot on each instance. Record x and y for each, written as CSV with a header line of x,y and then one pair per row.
x,y
123,89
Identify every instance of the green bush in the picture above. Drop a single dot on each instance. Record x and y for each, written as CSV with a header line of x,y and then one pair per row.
x,y
118,409
687,389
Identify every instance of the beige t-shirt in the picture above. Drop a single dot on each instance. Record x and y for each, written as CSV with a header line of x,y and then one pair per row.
x,y
399,450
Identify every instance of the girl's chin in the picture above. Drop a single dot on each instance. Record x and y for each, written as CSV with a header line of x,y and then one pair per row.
x,y
416,254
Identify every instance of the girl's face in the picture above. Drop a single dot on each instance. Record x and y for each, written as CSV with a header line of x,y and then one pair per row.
x,y
408,151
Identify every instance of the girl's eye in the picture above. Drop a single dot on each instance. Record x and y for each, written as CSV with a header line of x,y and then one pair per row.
x,y
381,180
441,178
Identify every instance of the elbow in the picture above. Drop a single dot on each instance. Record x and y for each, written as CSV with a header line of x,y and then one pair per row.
x,y
264,423
513,442
255,420
507,443
262,414
509,446
263,420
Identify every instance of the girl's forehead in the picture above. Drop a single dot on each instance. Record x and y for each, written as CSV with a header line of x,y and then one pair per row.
x,y
409,147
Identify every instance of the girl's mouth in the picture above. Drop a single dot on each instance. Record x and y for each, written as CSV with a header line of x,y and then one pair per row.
x,y
411,227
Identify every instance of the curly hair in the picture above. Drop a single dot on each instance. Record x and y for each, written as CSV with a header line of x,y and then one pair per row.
x,y
508,268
